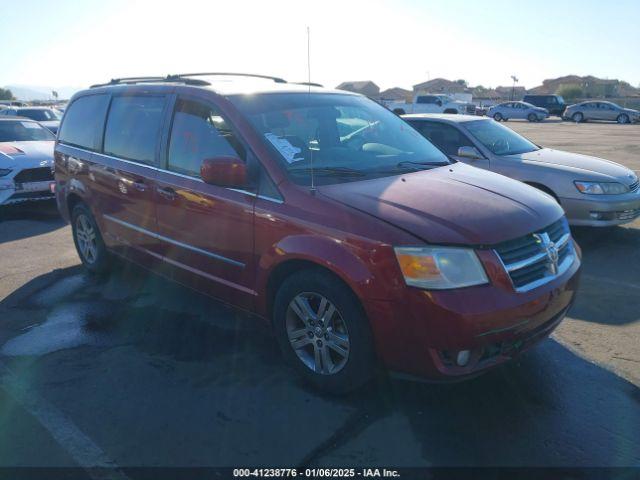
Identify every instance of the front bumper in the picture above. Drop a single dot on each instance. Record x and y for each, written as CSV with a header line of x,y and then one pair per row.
x,y
602,210
12,193
421,333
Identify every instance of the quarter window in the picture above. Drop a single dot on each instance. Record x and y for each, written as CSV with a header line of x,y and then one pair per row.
x,y
133,127
84,121
199,132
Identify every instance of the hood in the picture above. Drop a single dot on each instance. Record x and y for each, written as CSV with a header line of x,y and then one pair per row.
x,y
26,154
585,166
454,204
631,110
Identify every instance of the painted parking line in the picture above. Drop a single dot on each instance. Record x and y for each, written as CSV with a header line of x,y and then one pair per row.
x,y
616,283
76,443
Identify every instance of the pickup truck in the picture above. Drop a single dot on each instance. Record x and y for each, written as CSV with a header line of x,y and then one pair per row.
x,y
436,103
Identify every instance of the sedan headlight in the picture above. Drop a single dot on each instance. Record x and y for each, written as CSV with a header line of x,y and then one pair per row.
x,y
4,172
601,188
440,268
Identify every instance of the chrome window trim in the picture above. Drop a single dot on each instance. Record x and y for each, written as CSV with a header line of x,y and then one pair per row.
x,y
174,242
163,170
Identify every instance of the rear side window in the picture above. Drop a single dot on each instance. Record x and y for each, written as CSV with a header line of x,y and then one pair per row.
x,y
83,122
133,127
199,132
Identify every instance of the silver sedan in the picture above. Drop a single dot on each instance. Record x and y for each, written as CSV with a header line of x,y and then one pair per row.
x,y
592,191
581,112
521,110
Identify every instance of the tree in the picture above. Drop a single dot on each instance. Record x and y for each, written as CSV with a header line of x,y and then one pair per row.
x,y
570,92
5,94
462,82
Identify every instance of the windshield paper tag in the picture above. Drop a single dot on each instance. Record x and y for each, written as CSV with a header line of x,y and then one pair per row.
x,y
30,125
283,146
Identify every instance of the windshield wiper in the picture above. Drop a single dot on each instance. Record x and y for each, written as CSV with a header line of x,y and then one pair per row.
x,y
345,171
405,163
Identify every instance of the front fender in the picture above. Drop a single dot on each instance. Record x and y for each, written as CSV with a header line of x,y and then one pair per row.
x,y
360,266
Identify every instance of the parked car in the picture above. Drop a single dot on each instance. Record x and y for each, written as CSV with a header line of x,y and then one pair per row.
x,y
583,111
49,117
517,110
592,191
26,161
554,104
323,213
437,103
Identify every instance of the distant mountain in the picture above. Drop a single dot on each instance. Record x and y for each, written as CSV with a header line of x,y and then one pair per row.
x,y
30,92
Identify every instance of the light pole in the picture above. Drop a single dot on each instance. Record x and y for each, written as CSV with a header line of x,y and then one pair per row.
x,y
513,88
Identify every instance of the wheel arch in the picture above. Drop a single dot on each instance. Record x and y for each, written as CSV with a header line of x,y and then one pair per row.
x,y
545,189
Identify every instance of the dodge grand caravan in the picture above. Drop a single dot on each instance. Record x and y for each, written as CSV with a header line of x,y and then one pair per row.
x,y
321,212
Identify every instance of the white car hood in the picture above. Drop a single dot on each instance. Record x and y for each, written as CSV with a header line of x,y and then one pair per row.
x,y
26,154
576,161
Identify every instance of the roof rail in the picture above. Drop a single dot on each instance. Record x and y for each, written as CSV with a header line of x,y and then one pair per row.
x,y
183,78
133,80
223,74
310,84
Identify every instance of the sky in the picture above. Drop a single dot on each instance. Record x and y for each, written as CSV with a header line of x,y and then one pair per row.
x,y
393,43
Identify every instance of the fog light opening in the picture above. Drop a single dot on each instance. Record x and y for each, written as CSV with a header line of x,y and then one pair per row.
x,y
463,357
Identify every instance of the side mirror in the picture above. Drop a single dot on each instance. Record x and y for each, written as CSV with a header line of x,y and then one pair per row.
x,y
225,171
471,153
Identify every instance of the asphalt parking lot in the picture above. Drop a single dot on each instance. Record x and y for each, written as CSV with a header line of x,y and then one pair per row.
x,y
131,370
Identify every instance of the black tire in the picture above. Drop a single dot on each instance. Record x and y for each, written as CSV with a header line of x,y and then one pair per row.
x,y
98,263
360,364
532,117
577,117
497,117
622,118
399,111
451,111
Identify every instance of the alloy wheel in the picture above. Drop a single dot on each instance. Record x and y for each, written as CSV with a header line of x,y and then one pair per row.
x,y
86,237
317,333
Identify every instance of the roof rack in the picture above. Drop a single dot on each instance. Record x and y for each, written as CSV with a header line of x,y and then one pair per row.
x,y
133,80
180,76
184,78
310,84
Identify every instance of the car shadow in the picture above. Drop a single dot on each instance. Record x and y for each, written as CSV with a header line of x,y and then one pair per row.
x,y
28,220
610,283
156,356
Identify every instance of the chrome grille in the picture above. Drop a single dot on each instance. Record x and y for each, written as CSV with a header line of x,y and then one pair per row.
x,y
538,257
634,186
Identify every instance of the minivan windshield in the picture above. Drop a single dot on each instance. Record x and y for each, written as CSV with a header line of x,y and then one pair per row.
x,y
343,137
498,138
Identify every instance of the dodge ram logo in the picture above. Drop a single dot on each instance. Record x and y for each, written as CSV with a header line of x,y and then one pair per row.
x,y
550,249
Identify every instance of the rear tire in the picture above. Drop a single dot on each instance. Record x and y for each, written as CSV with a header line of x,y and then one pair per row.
x,y
323,332
577,117
88,240
622,118
399,111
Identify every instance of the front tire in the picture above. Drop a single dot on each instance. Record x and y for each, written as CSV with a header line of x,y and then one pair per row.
x,y
577,117
532,117
323,331
88,241
622,118
497,117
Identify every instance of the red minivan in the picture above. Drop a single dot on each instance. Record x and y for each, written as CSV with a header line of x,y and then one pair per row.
x,y
321,212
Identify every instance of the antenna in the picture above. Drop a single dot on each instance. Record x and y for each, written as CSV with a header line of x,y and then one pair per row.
x,y
313,180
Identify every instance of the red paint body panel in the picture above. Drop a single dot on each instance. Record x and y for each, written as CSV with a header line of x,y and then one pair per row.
x,y
228,243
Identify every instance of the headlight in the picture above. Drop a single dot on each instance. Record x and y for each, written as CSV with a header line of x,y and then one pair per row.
x,y
439,268
4,171
601,188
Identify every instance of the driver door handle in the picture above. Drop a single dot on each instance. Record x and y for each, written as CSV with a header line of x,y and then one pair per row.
x,y
167,192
